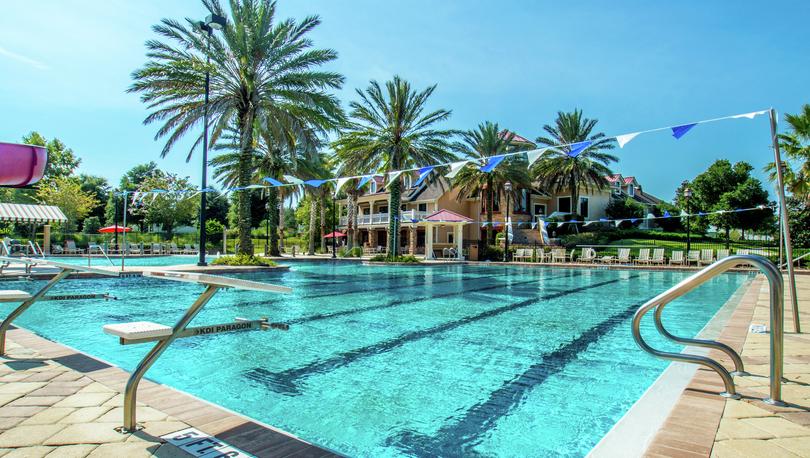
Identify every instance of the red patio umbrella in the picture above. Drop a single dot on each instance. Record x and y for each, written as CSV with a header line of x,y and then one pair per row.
x,y
111,229
334,234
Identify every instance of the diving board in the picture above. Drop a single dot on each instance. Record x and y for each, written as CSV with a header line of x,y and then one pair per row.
x,y
146,331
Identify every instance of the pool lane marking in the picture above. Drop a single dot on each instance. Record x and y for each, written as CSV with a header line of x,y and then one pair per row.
x,y
458,438
287,381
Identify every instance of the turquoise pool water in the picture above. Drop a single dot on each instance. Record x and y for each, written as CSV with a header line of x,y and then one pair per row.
x,y
406,361
97,261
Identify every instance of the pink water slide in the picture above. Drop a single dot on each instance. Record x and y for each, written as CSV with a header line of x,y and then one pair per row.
x,y
21,165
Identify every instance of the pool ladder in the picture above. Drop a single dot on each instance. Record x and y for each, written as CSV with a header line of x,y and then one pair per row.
x,y
658,303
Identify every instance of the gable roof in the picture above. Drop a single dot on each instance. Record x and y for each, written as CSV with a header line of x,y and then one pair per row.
x,y
446,216
515,137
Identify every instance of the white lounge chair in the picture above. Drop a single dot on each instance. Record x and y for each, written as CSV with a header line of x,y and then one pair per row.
x,y
134,248
722,254
643,256
71,248
522,255
692,256
173,249
706,257
743,251
658,256
559,255
676,258
588,255
624,256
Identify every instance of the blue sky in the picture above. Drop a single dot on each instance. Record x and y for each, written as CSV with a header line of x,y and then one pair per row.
x,y
634,65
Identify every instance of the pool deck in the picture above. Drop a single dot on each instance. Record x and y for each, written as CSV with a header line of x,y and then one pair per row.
x,y
45,273
704,424
58,402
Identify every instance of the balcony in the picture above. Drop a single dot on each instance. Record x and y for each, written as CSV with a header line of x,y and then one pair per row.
x,y
382,218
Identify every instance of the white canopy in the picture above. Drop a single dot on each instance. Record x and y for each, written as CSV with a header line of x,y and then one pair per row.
x,y
31,213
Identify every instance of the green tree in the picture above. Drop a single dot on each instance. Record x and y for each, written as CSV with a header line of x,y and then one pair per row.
x,y
795,146
389,130
563,169
67,194
265,80
91,225
170,209
626,208
62,162
98,187
480,144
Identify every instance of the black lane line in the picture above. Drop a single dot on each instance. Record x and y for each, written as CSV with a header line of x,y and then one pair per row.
x,y
286,382
459,438
398,302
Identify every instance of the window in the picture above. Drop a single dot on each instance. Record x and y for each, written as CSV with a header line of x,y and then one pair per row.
x,y
384,209
374,186
564,204
402,207
583,206
539,210
631,190
450,237
422,207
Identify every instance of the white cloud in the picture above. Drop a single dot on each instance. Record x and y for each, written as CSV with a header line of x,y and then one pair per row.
x,y
20,58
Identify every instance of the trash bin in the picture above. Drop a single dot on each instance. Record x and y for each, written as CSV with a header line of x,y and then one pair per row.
x,y
473,253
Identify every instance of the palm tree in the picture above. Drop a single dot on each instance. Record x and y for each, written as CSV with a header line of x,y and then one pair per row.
x,y
264,80
562,168
480,144
390,131
796,146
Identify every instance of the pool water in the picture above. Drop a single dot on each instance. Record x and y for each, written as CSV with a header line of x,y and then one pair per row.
x,y
455,360
137,261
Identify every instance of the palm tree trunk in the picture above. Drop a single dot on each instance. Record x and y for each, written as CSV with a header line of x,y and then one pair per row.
x,y
393,220
322,210
245,172
313,217
272,202
281,224
355,230
349,223
490,210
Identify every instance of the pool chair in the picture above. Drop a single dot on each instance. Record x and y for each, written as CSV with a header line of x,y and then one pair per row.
x,y
624,256
759,252
658,256
676,258
559,255
174,250
643,256
57,249
134,248
187,249
588,255
94,248
522,255
71,248
722,254
743,251
692,257
196,248
706,257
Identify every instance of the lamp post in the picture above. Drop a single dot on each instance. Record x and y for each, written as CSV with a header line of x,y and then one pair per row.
x,y
508,188
211,23
687,193
334,230
267,229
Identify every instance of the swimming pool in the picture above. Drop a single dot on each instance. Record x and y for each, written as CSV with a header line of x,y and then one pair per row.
x,y
100,261
390,361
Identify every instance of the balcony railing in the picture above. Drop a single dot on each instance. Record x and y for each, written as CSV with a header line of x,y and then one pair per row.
x,y
382,218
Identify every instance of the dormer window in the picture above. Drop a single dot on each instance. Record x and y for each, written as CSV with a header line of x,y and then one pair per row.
x,y
373,186
407,181
631,190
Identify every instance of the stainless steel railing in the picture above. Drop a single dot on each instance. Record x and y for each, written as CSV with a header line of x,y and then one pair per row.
x,y
776,323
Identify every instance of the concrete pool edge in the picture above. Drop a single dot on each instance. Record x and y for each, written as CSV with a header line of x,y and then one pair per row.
x,y
239,430
634,433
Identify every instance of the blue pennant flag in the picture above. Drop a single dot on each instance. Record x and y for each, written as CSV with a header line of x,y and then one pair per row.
x,y
315,183
273,182
604,220
680,131
364,180
492,163
701,214
577,148
666,214
633,220
423,173
739,210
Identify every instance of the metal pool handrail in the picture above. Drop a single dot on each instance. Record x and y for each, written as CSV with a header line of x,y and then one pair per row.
x,y
777,324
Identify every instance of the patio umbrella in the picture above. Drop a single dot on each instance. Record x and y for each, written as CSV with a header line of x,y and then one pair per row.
x,y
334,234
111,229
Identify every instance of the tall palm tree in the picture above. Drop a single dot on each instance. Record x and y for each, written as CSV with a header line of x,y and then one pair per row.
x,y
796,146
264,78
480,144
389,130
562,168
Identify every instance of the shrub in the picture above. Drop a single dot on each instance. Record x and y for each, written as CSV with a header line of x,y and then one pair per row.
x,y
355,252
385,258
586,238
491,253
243,260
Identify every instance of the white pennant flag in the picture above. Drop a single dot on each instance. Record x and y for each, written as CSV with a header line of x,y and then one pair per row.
x,y
293,180
135,197
392,176
340,183
626,138
534,155
751,115
456,167
154,196
543,232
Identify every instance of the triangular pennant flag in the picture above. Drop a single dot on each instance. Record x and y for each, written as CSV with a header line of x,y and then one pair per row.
x,y
392,177
293,180
534,225
680,131
484,224
194,195
255,186
456,167
315,183
423,173
273,181
603,220
135,197
666,214
364,181
492,162
701,214
533,155
626,138
576,148
154,196
751,115
618,222
543,231
588,223
340,183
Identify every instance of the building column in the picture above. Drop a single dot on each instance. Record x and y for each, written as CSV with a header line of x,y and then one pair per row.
x,y
372,238
459,241
429,241
46,239
412,241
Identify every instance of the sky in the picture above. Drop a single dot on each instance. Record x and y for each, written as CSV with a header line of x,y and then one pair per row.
x,y
633,65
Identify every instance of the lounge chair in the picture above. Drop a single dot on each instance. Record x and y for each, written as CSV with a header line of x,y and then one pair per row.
x,y
692,256
743,251
706,257
57,249
195,248
134,248
156,248
94,248
187,249
588,255
522,255
722,254
71,247
759,252
676,258
559,255
643,256
624,256
658,256
173,249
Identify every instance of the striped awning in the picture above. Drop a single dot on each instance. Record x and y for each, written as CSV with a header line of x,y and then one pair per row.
x,y
31,213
